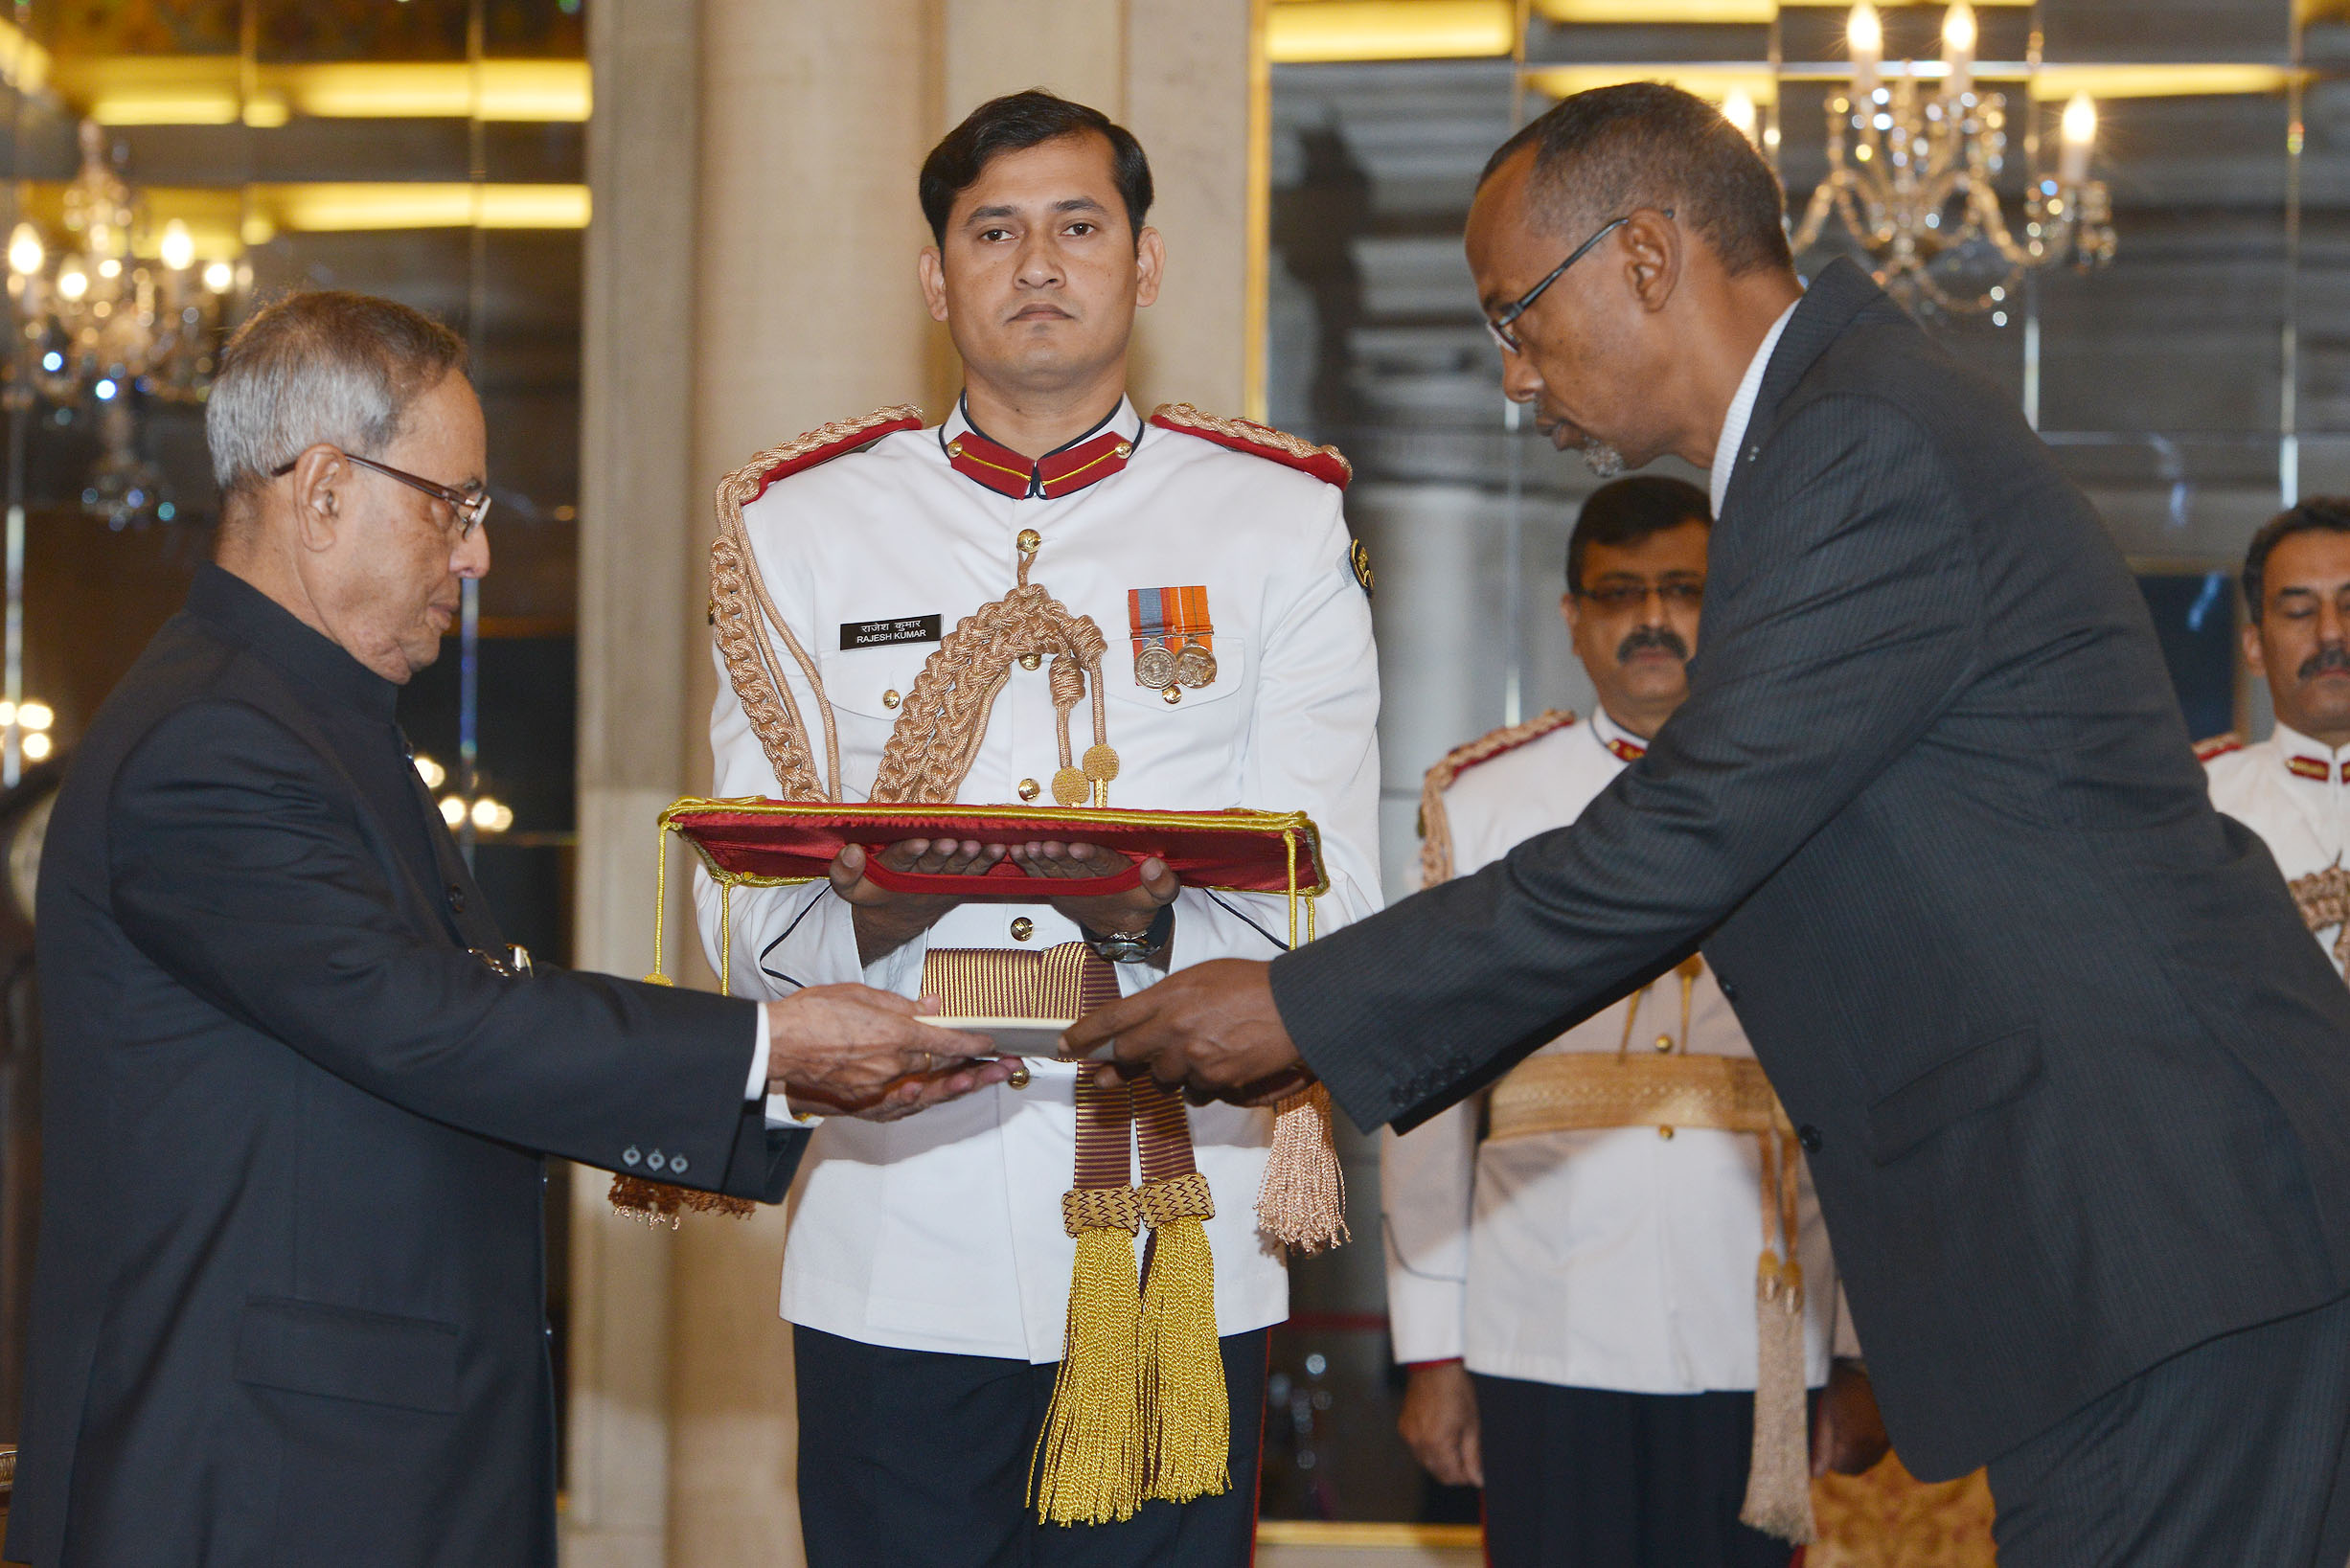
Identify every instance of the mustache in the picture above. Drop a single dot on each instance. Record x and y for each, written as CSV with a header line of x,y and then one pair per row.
x,y
1669,641
2335,658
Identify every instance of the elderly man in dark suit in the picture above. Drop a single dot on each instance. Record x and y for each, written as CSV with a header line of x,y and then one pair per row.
x,y
288,1307
2074,1082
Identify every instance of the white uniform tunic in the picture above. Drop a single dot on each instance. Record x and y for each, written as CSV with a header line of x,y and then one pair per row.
x,y
2291,791
1614,1258
943,1231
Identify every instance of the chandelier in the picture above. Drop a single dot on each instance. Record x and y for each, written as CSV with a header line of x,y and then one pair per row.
x,y
1912,173
101,321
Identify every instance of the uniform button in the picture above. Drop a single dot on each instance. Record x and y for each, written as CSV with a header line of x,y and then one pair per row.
x,y
1170,696
889,699
1029,789
629,1156
1018,1078
655,1161
676,1165
1030,541
456,900
1030,661
1666,1133
1664,1042
1809,1137
1022,928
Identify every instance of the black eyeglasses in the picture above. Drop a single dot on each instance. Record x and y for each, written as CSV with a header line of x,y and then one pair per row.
x,y
471,504
1633,596
1499,326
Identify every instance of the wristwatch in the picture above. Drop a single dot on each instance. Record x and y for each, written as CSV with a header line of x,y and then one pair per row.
x,y
1137,947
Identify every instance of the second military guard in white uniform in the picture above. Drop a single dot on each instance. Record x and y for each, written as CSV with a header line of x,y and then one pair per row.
x,y
1572,1257
929,1262
2293,788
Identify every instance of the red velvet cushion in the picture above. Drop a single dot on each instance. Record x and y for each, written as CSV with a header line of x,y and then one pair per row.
x,y
777,841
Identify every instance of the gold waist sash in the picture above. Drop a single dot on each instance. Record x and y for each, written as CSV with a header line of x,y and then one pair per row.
x,y
1585,1091
1580,1091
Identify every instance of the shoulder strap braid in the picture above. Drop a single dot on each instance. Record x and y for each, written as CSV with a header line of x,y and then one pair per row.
x,y
2218,745
1435,828
1326,464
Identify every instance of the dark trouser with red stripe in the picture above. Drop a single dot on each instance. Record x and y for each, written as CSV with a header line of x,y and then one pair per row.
x,y
915,1459
1591,1478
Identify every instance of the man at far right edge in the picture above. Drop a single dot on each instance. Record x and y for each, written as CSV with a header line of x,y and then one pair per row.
x,y
2293,788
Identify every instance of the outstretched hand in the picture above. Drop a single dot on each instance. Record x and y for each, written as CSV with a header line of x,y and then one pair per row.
x,y
1211,1030
867,1053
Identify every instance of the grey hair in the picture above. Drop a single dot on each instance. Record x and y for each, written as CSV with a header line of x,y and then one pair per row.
x,y
323,366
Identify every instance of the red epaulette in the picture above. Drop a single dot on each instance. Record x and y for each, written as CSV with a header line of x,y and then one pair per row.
x,y
1326,464
2218,745
827,442
1435,829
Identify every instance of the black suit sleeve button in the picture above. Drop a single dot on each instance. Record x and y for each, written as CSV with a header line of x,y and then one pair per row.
x,y
655,1161
456,900
629,1156
1809,1137
676,1165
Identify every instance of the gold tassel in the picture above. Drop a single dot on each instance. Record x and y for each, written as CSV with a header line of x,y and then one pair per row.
x,y
1186,1412
657,1202
1778,1498
1302,1203
1090,1467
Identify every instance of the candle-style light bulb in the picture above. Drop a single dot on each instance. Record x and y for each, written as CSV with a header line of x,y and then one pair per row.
x,y
72,281
217,275
25,251
178,249
2080,135
1865,35
1958,37
1738,108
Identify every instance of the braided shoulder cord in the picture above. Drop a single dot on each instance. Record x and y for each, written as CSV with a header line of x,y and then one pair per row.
x,y
741,610
1435,825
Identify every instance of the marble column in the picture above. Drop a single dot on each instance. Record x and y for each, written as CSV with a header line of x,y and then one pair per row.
x,y
814,117
639,536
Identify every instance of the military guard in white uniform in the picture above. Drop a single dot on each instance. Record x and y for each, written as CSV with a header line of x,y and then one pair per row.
x,y
1572,1257
2293,788
929,1270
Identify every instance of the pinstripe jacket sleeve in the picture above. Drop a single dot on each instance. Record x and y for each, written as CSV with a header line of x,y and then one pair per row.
x,y
1831,645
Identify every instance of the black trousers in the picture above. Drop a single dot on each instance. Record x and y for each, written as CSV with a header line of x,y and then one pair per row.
x,y
1590,1477
2233,1452
913,1458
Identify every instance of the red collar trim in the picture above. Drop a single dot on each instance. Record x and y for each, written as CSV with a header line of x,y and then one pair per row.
x,y
2311,767
1630,751
1054,475
1072,468
999,468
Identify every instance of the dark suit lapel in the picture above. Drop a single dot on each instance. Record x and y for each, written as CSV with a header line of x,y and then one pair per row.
x,y
1836,296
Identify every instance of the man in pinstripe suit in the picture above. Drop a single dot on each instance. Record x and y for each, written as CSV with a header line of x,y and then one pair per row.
x,y
2074,1081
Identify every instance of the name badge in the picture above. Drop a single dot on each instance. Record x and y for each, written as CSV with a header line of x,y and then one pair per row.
x,y
905,628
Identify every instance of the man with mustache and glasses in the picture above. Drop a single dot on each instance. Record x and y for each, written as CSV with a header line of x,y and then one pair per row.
x,y
2293,788
1575,1300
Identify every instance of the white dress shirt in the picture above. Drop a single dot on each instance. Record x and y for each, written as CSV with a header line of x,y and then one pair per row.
x,y
1741,410
1612,1258
2294,793
943,1231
